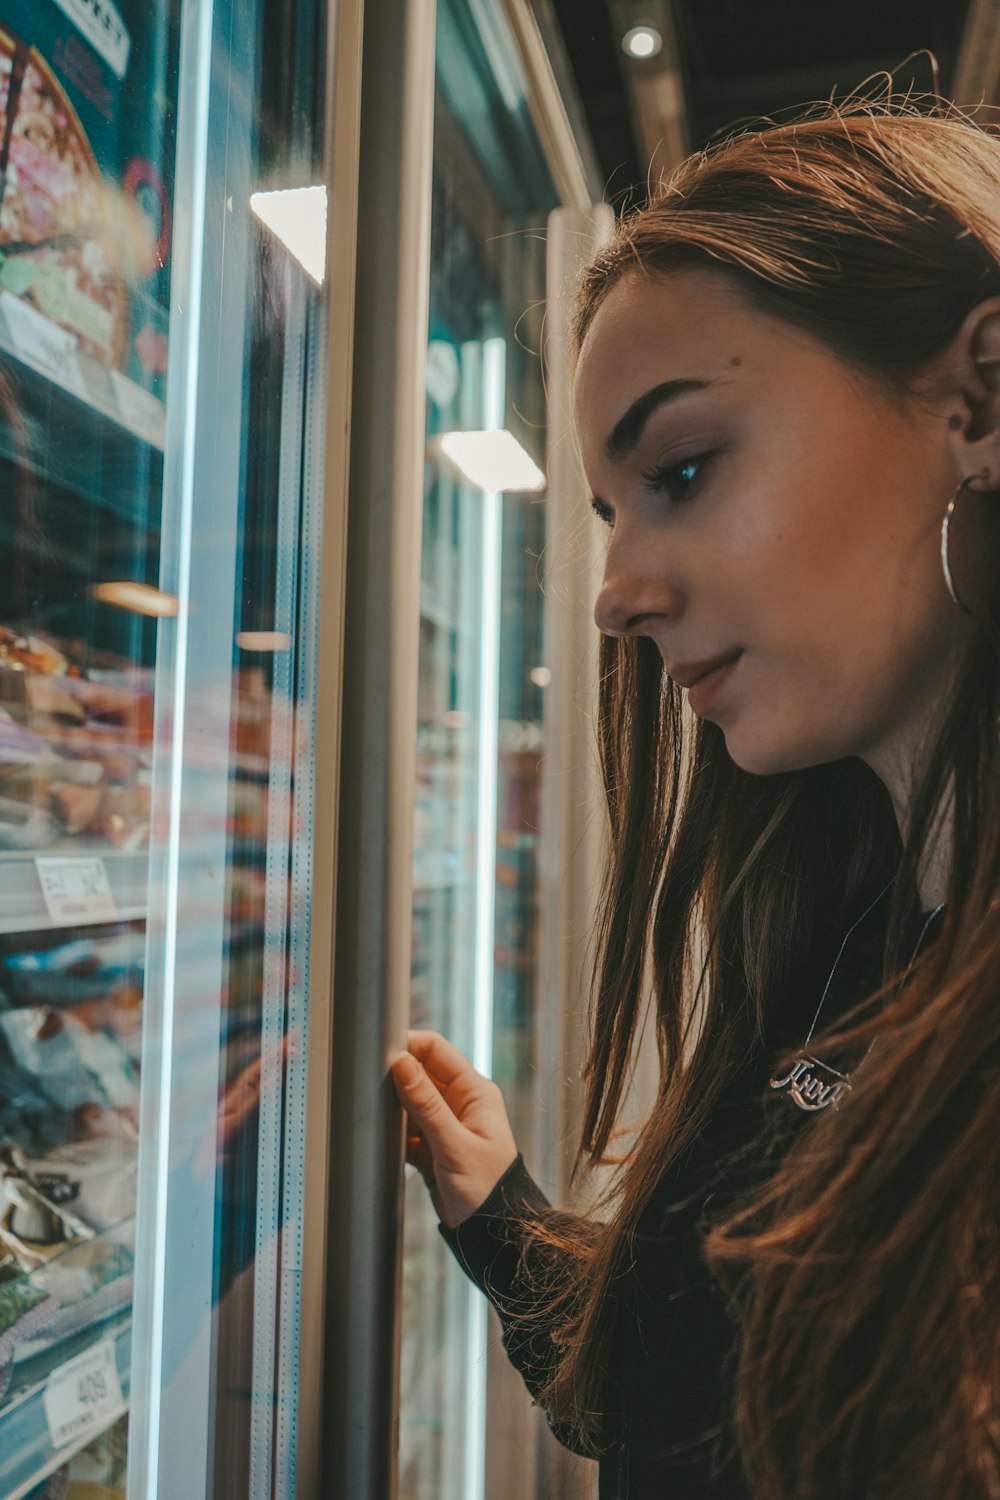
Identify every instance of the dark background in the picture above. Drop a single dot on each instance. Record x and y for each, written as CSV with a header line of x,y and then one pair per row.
x,y
741,59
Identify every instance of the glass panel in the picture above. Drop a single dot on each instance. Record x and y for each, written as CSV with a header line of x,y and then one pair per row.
x,y
87,127
162,221
221,1205
481,677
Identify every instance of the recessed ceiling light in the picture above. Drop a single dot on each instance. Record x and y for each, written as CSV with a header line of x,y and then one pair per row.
x,y
140,598
263,640
642,41
493,460
298,217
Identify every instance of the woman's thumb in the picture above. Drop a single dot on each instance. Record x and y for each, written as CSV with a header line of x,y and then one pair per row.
x,y
421,1100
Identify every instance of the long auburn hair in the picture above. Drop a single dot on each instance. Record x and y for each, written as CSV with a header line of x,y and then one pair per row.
x,y
866,1270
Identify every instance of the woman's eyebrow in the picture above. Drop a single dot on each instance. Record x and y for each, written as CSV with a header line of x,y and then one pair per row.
x,y
628,429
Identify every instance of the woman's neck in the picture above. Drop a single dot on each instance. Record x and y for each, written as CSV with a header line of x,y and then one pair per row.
x,y
934,867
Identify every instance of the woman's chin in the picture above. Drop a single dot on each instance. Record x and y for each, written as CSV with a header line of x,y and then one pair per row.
x,y
771,757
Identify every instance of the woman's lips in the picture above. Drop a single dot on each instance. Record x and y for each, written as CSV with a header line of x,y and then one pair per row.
x,y
703,693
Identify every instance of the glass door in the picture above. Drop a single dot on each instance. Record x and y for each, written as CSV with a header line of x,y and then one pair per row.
x,y
164,396
87,157
482,679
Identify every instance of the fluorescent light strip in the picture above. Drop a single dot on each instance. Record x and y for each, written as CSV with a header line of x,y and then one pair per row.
x,y
196,50
297,216
263,640
139,598
493,375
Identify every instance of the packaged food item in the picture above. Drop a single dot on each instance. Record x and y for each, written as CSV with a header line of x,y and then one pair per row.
x,y
60,248
74,1289
31,653
67,1062
24,1309
85,216
70,1193
88,968
56,1487
27,1115
84,1270
34,1226
74,752
98,1471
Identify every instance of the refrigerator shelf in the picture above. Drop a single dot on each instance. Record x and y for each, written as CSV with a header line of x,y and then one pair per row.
x,y
27,1455
23,907
35,341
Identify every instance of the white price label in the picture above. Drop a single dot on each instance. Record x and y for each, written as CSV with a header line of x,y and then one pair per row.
x,y
43,345
104,29
141,411
84,1395
75,890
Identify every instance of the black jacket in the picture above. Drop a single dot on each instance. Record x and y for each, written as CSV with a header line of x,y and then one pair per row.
x,y
673,1358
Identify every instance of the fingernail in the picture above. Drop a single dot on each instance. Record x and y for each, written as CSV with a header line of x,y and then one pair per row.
x,y
405,1068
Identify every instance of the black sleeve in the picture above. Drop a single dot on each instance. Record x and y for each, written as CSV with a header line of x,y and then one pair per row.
x,y
491,1246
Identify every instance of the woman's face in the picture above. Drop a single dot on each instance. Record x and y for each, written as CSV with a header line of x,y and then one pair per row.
x,y
770,508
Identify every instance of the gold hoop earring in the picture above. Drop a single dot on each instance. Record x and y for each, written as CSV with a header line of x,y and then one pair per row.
x,y
945,527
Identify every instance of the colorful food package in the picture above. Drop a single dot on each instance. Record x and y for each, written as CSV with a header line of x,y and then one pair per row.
x,y
27,1115
69,1063
75,751
85,125
86,972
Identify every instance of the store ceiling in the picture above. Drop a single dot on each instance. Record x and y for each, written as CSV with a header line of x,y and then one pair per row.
x,y
740,59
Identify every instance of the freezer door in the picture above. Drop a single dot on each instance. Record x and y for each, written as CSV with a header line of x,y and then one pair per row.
x,y
173,355
233,1137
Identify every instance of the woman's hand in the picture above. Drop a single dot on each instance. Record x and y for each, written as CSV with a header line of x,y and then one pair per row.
x,y
459,1134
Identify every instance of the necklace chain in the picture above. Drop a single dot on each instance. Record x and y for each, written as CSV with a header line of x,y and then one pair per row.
x,y
812,1084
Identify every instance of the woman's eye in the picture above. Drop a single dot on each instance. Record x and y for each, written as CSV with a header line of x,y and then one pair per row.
x,y
676,480
603,511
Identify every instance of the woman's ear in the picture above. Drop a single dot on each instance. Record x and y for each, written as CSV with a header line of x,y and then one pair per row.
x,y
974,419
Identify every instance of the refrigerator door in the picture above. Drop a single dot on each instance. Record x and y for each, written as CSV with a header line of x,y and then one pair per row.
x,y
87,126
170,363
483,676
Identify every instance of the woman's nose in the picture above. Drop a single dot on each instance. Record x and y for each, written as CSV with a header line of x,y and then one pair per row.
x,y
636,591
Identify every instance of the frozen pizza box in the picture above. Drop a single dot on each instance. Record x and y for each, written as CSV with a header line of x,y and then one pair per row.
x,y
86,154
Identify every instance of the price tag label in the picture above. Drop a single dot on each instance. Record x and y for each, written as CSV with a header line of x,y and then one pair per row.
x,y
75,890
43,344
141,411
84,1395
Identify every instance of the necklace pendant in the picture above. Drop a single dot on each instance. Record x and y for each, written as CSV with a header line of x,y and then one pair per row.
x,y
813,1085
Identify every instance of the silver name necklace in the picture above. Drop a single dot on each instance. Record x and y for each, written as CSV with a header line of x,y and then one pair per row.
x,y
812,1084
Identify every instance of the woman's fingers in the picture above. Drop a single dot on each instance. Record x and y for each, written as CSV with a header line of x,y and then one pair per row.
x,y
440,1058
424,1104
418,1154
459,1134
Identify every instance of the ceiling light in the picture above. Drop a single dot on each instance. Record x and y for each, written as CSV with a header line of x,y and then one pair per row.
x,y
642,41
298,217
140,598
263,640
493,461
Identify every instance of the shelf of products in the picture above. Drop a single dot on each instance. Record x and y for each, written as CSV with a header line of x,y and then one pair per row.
x,y
70,1028
59,1415
70,889
86,156
188,926
55,354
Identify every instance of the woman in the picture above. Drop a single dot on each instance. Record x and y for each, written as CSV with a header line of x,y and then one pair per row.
x,y
788,403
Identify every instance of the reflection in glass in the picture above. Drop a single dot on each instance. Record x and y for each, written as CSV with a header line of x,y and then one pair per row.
x,y
160,456
87,124
479,712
